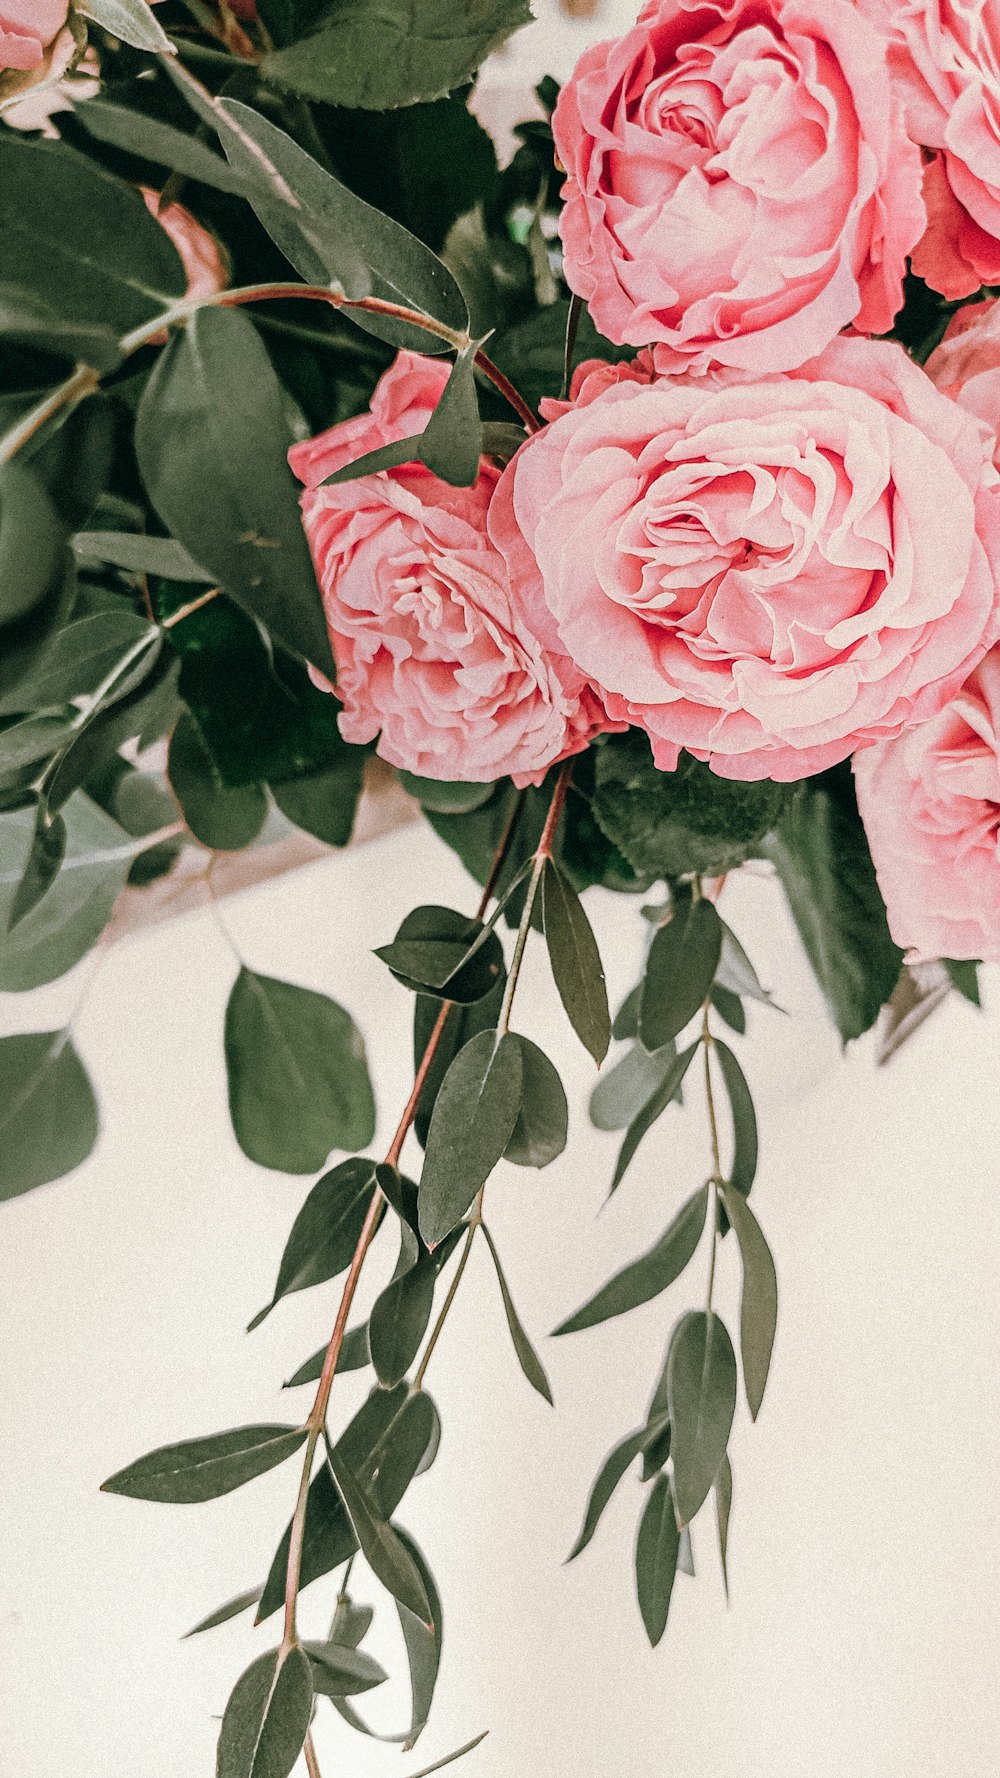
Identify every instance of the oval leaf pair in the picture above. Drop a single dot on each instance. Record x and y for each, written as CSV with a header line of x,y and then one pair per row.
x,y
473,1120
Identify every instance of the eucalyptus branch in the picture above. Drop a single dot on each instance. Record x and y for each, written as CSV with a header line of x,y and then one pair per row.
x,y
475,1222
706,1043
543,852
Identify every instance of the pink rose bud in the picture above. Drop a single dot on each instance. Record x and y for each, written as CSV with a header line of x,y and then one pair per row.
x,y
437,651
930,802
27,29
201,255
944,61
768,572
738,186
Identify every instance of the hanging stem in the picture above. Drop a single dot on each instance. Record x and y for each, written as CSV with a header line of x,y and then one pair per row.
x,y
706,1042
543,853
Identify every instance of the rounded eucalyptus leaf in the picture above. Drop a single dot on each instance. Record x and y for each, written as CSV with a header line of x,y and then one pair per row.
x,y
539,1135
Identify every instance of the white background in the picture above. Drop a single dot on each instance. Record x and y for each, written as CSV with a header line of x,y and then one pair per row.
x,y
862,1635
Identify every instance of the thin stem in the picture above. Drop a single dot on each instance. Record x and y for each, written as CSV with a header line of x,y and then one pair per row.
x,y
543,852
312,1763
706,1041
193,605
83,382
253,293
410,1109
508,391
475,1222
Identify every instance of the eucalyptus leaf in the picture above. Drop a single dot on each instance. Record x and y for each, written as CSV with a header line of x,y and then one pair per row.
x,y
385,1553
701,1399
223,1613
398,1454
32,542
626,1019
759,1306
326,1230
527,1357
473,1120
48,849
130,20
29,742
138,553
351,1623
354,1355
736,973
744,1166
723,1508
149,138
461,1024
328,1541
423,1645
621,1093
267,1717
400,1314
445,799
26,317
615,1465
48,1114
450,1758
78,658
680,969
437,950
203,1468
654,1107
576,962
646,1277
730,1008
539,1135
325,803
656,1553
450,445
964,977
298,1082
223,819
340,1672
236,512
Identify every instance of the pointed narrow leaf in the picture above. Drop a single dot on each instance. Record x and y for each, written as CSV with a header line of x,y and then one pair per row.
x,y
386,1555
527,1357
399,1453
685,1553
701,1396
729,1007
472,1122
298,1082
964,977
223,1613
400,1315
723,1507
646,1277
340,1672
351,1623
267,1717
539,1135
48,849
329,1541
653,1108
736,973
680,969
423,1645
576,962
759,1307
450,445
325,1232
441,952
656,1558
614,1467
131,20
620,1095
203,1468
138,133
626,1020
354,1355
139,554
744,1167
48,1114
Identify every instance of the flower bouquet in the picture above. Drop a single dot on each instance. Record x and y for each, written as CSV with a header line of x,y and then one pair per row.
x,y
635,503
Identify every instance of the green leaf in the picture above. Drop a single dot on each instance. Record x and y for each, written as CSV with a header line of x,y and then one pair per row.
x,y
654,1107
203,1468
471,1124
354,1355
72,916
730,1008
431,954
540,1132
267,1717
235,511
399,1452
680,969
423,1645
400,1315
325,803
759,1307
76,661
685,1553
576,962
736,974
326,1230
656,1558
723,1507
223,819
139,554
964,977
148,138
351,1623
652,1273
626,1020
385,1553
27,743
701,1399
26,317
340,1672
32,542
423,165
223,1613
450,1758
347,241
744,1167
48,1114
298,1083
669,823
614,1467
822,858
620,1094
130,20
80,239
450,444
527,1357
446,799
531,353
461,1024
329,1540
48,849
425,48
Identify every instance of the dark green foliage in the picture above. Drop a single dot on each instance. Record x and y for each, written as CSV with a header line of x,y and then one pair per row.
x,y
648,1276
267,1717
542,1126
655,1106
576,962
472,1122
680,969
48,1114
431,954
656,1558
326,1230
527,1357
203,1468
701,1399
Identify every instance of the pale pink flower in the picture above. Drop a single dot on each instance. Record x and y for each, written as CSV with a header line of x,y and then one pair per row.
x,y
436,652
200,253
930,802
966,365
738,186
768,572
27,30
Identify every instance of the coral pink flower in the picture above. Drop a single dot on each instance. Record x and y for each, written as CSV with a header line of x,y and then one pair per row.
x,y
27,28
435,650
966,365
767,572
200,254
738,186
945,59
930,802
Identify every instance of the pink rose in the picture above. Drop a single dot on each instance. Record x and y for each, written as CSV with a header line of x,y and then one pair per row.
x,y
930,802
200,253
767,572
738,188
945,60
433,645
27,29
966,365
